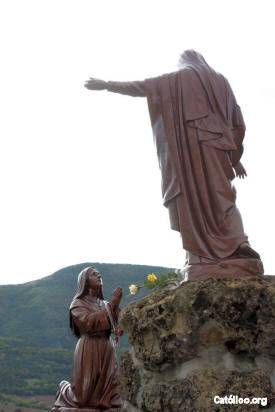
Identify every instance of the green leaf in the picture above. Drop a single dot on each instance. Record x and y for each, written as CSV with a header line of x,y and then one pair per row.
x,y
149,285
162,278
172,275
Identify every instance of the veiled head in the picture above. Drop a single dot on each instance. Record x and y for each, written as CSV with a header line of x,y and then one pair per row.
x,y
191,57
89,277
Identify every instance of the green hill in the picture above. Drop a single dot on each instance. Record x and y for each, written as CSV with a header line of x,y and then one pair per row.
x,y
31,370
36,343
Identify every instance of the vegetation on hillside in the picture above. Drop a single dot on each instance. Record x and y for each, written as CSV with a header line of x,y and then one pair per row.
x,y
30,370
26,403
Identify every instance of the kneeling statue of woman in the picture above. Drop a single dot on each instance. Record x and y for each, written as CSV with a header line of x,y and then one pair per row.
x,y
94,378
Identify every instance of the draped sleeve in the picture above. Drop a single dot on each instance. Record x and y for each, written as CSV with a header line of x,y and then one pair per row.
x,y
134,89
237,124
89,322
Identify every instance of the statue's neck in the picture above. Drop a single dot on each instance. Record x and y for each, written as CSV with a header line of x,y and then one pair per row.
x,y
93,293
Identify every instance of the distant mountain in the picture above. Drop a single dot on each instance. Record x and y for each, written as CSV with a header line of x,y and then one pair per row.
x,y
36,342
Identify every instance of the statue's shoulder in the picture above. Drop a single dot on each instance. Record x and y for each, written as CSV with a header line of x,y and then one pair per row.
x,y
76,303
187,71
223,79
187,74
227,85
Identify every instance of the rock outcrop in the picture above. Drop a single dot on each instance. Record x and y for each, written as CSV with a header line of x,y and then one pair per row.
x,y
205,338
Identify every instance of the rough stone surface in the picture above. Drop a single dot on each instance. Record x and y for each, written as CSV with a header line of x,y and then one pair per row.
x,y
131,380
87,410
189,394
201,339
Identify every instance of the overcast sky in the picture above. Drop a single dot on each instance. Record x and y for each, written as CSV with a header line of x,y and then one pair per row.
x,y
79,172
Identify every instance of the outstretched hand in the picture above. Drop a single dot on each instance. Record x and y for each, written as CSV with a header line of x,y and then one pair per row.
x,y
240,171
95,84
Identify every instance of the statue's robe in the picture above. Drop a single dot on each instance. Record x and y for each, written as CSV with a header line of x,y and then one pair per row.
x,y
94,379
198,129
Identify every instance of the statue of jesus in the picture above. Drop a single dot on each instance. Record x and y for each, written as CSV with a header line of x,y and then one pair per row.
x,y
198,129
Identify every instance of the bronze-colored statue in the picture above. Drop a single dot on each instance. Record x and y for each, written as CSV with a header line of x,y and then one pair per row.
x,y
198,129
94,379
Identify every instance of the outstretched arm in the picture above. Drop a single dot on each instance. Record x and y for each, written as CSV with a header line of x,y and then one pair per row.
x,y
135,89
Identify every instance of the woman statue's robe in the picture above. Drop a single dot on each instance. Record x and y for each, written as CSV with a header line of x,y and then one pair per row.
x,y
94,378
198,129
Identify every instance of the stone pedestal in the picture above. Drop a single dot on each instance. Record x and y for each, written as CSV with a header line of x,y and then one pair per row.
x,y
205,338
78,410
86,410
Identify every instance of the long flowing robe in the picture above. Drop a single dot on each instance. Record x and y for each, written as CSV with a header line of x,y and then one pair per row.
x,y
198,129
94,378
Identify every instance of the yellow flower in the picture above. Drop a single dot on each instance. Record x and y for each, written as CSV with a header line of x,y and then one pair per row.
x,y
152,278
134,289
